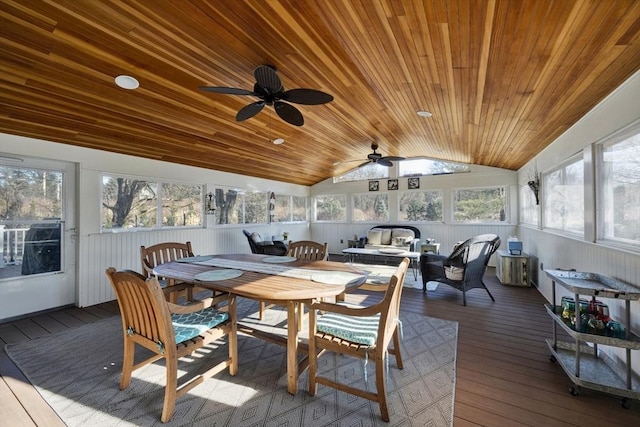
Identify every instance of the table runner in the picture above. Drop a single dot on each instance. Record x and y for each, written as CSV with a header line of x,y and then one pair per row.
x,y
279,270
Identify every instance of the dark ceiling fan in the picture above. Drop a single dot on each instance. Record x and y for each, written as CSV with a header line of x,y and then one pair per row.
x,y
378,158
269,90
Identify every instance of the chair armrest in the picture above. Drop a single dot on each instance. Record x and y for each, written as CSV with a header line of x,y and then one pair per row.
x,y
264,243
434,257
362,241
414,245
200,305
346,310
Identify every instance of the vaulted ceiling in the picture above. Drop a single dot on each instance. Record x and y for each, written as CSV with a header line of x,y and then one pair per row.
x,y
502,78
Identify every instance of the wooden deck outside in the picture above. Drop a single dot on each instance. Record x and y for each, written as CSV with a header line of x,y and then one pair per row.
x,y
504,376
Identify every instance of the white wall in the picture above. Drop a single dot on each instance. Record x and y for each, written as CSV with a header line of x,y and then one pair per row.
x,y
97,251
616,112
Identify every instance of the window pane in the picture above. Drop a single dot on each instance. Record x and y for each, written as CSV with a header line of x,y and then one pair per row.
x,y
370,171
128,203
416,167
282,211
528,210
370,207
181,205
331,208
564,198
299,208
421,206
620,192
255,208
30,194
480,205
229,206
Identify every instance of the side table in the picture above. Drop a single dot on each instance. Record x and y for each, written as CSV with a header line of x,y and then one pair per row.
x,y
426,248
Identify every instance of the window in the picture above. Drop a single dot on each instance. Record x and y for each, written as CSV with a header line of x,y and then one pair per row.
x,y
181,205
331,208
421,206
370,207
528,210
131,203
239,207
480,205
364,173
619,168
417,167
290,209
563,195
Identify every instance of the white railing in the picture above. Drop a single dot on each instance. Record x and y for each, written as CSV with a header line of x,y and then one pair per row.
x,y
12,244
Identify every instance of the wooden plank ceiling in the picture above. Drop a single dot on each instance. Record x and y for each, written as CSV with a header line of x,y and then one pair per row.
x,y
502,78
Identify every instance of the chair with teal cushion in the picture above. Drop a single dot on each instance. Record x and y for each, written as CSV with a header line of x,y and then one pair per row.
x,y
171,331
361,332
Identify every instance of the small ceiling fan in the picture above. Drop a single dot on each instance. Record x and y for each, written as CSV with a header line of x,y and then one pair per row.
x,y
269,90
378,158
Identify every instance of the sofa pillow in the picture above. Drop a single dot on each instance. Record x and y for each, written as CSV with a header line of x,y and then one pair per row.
x,y
374,237
385,235
256,237
403,232
399,241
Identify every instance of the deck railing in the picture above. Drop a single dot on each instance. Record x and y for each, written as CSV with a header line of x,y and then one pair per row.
x,y
12,242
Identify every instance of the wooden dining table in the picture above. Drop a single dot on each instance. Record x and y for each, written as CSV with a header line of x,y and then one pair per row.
x,y
283,281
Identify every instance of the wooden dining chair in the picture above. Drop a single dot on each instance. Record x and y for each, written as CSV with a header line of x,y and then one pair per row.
x,y
170,331
361,332
154,255
305,250
309,250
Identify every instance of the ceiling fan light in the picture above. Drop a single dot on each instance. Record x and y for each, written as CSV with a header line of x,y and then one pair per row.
x,y
127,82
278,141
423,113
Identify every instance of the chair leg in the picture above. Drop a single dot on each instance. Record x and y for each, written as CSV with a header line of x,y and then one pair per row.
x,y
487,289
313,356
396,349
381,389
127,363
170,390
261,306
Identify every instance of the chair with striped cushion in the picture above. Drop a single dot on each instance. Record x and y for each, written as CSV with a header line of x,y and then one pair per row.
x,y
362,332
171,331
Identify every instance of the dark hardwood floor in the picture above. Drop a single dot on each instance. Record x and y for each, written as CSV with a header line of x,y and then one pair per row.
x,y
504,376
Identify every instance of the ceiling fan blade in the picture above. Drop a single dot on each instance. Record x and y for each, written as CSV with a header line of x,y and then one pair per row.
x,y
227,90
288,113
394,158
267,78
384,162
249,111
307,96
364,164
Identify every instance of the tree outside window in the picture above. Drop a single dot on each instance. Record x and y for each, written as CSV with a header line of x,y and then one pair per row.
x,y
421,206
331,208
480,205
371,207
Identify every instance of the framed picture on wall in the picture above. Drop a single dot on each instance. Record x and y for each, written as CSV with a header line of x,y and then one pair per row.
x,y
392,184
374,185
413,183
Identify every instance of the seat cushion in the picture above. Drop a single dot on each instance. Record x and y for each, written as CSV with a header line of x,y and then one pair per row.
x,y
187,326
360,330
374,237
454,273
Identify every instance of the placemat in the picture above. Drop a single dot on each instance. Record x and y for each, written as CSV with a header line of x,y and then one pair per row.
x,y
335,277
198,258
279,259
217,275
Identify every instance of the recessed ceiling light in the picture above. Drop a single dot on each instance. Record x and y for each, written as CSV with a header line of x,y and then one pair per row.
x,y
278,141
127,82
424,113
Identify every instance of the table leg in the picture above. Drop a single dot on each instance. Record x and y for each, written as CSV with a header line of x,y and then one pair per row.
x,y
292,347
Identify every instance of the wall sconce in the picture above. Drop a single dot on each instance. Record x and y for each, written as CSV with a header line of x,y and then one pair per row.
x,y
209,205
